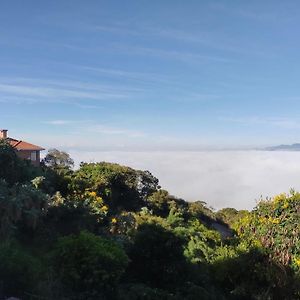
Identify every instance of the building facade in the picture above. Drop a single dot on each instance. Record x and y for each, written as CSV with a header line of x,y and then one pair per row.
x,y
23,149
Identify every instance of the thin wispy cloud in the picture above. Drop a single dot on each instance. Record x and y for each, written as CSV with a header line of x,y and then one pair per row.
x,y
35,90
84,127
88,106
148,32
264,13
215,41
59,122
67,83
209,39
107,130
170,54
113,29
130,75
282,122
52,94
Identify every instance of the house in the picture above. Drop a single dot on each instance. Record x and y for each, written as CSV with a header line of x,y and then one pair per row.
x,y
23,149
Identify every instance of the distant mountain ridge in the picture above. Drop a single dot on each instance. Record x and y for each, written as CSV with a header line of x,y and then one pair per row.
x,y
293,147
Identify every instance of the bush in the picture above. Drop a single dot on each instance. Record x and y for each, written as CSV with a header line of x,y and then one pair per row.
x,y
88,266
21,207
253,275
275,225
157,257
19,271
141,291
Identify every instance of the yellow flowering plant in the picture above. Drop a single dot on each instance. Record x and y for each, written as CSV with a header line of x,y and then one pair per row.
x,y
276,224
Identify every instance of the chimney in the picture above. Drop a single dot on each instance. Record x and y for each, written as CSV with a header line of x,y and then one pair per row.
x,y
3,133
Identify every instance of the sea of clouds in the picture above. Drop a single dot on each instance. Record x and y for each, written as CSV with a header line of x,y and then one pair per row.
x,y
220,178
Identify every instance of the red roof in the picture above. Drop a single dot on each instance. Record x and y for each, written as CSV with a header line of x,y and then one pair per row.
x,y
22,145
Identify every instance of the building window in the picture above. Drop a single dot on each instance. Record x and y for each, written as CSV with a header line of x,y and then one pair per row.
x,y
33,156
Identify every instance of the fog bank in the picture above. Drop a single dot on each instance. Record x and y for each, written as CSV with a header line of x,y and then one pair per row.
x,y
220,178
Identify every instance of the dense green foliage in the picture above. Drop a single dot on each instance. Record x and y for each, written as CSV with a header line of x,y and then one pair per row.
x,y
106,231
162,256
12,169
19,270
88,265
121,187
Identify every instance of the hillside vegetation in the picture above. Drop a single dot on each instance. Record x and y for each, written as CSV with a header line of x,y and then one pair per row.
x,y
106,231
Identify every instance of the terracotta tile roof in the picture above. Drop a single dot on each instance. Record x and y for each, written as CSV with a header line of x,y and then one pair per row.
x,y
22,145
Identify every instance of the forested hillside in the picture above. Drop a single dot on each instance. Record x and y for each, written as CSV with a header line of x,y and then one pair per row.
x,y
106,231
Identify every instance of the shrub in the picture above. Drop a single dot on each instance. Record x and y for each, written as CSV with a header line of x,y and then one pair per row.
x,y
88,266
21,207
19,271
141,291
157,257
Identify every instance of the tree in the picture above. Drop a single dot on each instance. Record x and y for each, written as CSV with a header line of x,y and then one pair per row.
x,y
229,216
12,168
56,159
161,203
57,171
122,187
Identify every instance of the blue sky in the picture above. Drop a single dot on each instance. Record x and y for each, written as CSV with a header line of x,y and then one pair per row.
x,y
150,75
